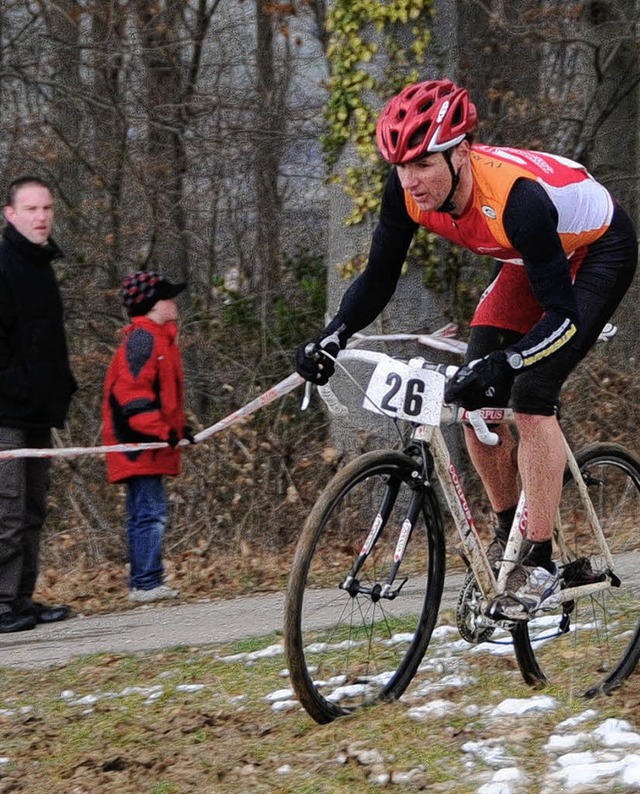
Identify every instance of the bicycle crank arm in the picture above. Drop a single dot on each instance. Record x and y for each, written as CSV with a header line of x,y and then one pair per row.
x,y
499,611
571,593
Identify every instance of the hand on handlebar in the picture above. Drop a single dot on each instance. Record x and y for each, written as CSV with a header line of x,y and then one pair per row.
x,y
481,383
313,364
314,359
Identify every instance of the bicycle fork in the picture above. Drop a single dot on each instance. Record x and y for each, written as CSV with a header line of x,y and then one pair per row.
x,y
378,591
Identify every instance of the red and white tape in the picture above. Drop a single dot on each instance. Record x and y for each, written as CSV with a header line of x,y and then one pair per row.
x,y
441,340
280,389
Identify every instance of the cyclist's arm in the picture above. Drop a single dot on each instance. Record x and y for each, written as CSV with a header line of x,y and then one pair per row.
x,y
530,221
372,290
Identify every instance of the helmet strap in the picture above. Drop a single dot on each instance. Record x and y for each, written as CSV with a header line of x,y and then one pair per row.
x,y
448,205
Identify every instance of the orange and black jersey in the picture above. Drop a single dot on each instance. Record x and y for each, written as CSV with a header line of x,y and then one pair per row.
x,y
533,212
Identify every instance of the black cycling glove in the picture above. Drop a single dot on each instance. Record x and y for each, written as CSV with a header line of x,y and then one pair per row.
x,y
485,382
311,363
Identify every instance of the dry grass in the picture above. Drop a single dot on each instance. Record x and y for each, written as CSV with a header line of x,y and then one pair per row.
x,y
208,740
210,729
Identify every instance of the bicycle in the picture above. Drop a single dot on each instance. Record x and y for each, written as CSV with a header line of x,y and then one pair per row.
x,y
368,572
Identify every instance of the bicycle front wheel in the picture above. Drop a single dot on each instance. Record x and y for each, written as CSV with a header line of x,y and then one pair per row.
x,y
594,645
348,640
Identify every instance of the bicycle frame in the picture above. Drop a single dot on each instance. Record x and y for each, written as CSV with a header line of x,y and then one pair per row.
x,y
364,594
490,586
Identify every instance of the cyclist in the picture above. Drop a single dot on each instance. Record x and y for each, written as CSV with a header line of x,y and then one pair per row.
x,y
566,254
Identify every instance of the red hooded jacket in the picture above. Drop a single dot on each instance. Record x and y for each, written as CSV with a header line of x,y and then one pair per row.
x,y
143,400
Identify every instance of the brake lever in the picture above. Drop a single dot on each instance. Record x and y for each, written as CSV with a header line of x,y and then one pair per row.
x,y
306,398
481,429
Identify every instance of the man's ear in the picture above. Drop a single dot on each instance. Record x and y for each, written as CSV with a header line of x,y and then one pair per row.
x,y
464,147
8,213
462,152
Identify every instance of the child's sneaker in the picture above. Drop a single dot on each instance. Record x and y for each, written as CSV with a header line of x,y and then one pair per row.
x,y
159,593
535,589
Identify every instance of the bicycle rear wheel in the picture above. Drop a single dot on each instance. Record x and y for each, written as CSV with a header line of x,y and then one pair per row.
x,y
599,642
349,648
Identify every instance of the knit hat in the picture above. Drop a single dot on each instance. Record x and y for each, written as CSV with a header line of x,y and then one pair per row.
x,y
140,291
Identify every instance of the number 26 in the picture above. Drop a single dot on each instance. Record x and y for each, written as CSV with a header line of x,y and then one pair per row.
x,y
412,404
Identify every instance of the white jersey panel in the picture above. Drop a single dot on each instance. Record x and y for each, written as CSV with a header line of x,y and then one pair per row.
x,y
582,206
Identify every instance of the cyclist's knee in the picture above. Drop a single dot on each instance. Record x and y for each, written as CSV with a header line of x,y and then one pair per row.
x,y
529,425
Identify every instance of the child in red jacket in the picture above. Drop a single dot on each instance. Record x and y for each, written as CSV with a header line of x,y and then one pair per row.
x,y
143,401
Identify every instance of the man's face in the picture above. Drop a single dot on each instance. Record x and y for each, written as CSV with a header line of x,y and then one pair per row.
x,y
32,213
428,180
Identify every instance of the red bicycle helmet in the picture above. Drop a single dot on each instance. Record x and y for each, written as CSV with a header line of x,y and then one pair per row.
x,y
423,118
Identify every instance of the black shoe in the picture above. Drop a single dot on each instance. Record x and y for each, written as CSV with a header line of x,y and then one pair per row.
x,y
9,621
46,614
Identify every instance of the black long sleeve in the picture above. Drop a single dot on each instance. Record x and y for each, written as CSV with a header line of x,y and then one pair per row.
x,y
372,290
530,221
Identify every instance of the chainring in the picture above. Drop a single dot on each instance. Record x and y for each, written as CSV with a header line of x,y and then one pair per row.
x,y
467,613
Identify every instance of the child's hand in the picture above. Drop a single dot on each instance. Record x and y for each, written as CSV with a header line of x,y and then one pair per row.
x,y
173,439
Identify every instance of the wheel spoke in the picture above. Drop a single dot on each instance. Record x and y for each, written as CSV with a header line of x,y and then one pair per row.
x,y
600,648
348,636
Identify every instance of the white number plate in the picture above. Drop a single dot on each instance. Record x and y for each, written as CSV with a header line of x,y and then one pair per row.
x,y
404,392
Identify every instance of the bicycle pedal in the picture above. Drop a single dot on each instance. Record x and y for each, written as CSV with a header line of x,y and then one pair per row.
x,y
580,572
512,612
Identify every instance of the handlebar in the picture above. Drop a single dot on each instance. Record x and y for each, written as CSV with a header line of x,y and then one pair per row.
x,y
336,408
475,418
442,339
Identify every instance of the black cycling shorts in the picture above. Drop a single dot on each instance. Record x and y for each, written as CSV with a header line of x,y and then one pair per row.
x,y
601,282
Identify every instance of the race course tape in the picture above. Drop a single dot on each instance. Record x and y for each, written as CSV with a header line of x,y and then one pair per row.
x,y
443,339
280,389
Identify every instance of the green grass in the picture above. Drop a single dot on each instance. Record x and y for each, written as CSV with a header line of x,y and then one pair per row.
x,y
226,739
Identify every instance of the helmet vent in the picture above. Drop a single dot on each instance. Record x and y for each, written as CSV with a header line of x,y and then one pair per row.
x,y
457,116
418,136
424,118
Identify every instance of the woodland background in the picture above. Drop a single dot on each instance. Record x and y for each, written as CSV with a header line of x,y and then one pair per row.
x,y
229,143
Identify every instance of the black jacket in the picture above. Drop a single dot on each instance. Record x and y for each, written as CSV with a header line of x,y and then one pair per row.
x,y
36,383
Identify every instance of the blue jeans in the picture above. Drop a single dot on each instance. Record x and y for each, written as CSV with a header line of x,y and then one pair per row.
x,y
147,509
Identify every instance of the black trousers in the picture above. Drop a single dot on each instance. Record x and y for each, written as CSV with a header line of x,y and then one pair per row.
x,y
24,485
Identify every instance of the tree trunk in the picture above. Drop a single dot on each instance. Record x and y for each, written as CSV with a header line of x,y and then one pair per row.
x,y
109,134
66,113
167,162
413,307
270,122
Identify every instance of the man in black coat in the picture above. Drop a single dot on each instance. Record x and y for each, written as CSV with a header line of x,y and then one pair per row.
x,y
36,385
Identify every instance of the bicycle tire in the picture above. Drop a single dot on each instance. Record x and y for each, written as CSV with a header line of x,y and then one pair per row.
x,y
600,646
345,651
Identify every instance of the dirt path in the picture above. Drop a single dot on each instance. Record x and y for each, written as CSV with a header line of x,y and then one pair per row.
x,y
151,628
